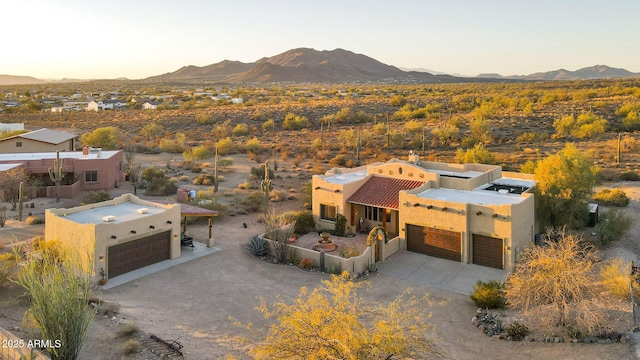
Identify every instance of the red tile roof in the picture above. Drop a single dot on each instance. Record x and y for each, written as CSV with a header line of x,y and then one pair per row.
x,y
382,192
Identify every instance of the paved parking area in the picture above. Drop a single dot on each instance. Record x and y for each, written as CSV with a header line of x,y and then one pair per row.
x,y
444,274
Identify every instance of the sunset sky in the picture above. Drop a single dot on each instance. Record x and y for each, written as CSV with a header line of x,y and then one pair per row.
x,y
88,39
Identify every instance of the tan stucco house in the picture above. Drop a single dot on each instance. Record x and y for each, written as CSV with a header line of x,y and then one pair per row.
x,y
121,235
43,140
471,213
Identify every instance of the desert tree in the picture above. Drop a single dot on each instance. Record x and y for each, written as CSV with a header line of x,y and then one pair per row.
x,y
477,155
104,137
10,180
197,154
151,131
334,321
556,283
565,183
59,287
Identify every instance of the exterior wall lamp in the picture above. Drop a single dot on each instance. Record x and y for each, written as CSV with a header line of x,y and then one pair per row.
x,y
133,231
114,237
151,227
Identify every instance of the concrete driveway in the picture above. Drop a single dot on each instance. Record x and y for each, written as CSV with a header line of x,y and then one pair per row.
x,y
444,274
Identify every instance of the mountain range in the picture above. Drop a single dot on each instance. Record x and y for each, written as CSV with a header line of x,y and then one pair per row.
x,y
304,65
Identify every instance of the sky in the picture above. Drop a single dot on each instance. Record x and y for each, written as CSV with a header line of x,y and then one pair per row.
x,y
88,39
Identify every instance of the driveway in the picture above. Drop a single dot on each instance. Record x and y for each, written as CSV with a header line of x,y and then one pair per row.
x,y
197,302
443,274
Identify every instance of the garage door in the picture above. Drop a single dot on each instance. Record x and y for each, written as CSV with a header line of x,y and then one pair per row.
x,y
487,251
434,242
139,253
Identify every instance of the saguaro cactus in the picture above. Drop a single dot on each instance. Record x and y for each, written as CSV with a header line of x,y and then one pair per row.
x,y
56,174
20,200
215,172
266,186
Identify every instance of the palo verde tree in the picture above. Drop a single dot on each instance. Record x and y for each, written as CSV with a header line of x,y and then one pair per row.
x,y
59,288
104,137
333,321
565,183
555,283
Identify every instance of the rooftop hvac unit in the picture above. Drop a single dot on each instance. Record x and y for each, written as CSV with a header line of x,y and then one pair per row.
x,y
142,211
108,218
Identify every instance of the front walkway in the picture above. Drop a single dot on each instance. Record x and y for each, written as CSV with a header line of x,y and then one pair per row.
x,y
444,274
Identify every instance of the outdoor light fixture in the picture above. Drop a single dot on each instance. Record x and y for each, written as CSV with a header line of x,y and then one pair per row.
x,y
479,213
113,237
151,227
133,231
317,188
429,207
336,190
168,221
494,216
444,208
416,205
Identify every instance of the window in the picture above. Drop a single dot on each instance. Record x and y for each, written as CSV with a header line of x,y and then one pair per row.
x,y
376,214
90,176
18,143
327,212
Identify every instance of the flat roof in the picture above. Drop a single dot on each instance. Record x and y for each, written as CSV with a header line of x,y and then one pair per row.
x,y
52,155
346,178
477,197
124,211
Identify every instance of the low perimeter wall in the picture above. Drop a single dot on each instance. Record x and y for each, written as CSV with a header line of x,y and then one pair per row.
x,y
14,348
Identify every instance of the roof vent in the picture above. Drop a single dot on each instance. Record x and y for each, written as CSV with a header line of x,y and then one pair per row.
x,y
503,191
142,211
108,218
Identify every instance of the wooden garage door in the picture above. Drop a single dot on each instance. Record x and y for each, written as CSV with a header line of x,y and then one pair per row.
x,y
139,253
487,251
434,242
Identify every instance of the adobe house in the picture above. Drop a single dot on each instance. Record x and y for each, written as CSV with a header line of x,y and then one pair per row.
x,y
43,140
122,235
87,170
471,213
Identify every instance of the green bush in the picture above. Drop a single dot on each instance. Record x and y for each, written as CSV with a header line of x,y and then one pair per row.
x,y
304,222
204,179
161,187
341,225
630,176
611,197
517,331
488,294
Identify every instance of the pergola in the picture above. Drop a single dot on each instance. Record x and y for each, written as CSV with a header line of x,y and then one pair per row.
x,y
190,210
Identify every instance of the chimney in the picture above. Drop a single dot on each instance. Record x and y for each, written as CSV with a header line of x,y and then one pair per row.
x,y
413,158
85,151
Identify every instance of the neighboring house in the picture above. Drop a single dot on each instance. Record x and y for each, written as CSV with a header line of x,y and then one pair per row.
x,y
106,105
11,127
87,170
236,100
119,235
151,105
43,140
470,213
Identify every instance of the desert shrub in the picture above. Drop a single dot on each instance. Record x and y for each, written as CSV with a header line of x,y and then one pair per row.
x,y
131,346
488,294
252,145
615,278
533,136
293,257
161,187
254,201
333,269
225,146
129,329
7,267
206,165
258,172
241,130
258,246
304,222
151,173
341,224
349,252
341,161
93,197
204,179
306,264
294,122
630,176
34,220
611,197
184,178
517,331
613,224
196,169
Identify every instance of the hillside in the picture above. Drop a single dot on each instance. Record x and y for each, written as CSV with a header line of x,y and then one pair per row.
x,y
19,80
587,73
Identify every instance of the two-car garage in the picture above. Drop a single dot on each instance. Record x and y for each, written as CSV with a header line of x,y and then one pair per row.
x,y
446,244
